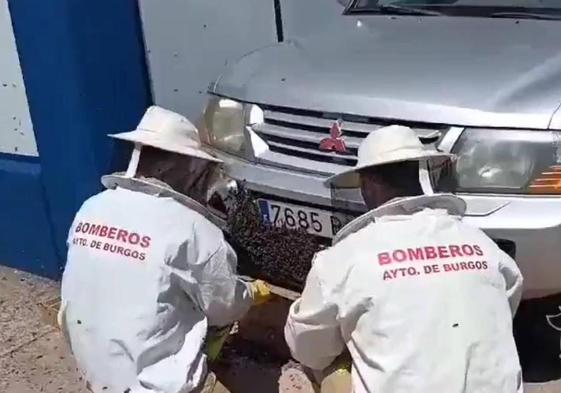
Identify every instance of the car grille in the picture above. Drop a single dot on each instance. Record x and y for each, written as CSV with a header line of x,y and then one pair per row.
x,y
298,133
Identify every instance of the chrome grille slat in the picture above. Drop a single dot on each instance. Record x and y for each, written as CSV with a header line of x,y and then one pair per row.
x,y
294,136
320,122
306,136
311,151
364,128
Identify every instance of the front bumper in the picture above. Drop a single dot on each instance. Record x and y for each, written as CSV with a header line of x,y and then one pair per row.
x,y
531,224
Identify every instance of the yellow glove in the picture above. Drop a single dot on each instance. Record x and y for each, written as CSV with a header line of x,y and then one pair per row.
x,y
338,381
343,366
338,378
260,292
215,342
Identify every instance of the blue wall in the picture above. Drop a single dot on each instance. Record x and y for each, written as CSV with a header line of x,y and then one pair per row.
x,y
25,224
85,74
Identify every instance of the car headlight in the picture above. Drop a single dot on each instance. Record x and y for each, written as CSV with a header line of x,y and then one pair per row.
x,y
224,125
506,161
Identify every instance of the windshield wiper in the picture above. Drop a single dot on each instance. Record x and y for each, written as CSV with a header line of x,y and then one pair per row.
x,y
523,15
389,9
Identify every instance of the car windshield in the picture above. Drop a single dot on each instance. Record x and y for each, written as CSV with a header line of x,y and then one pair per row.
x,y
531,9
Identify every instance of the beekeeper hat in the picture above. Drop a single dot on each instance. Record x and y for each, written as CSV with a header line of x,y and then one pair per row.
x,y
169,131
388,145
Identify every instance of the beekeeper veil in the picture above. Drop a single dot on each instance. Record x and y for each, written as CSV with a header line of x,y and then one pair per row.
x,y
388,145
168,152
187,175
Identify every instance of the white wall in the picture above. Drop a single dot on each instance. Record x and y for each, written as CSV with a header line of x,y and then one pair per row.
x,y
305,17
16,130
188,42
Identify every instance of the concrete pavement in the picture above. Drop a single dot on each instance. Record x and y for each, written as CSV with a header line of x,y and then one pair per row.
x,y
34,358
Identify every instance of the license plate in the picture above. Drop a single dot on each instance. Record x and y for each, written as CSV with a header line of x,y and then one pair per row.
x,y
314,221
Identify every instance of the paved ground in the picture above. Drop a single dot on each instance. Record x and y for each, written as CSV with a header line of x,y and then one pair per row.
x,y
33,357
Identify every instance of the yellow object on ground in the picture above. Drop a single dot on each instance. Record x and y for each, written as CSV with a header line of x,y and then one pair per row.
x,y
260,292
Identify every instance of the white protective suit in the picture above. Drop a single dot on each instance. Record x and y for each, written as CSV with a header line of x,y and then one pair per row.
x,y
146,274
423,302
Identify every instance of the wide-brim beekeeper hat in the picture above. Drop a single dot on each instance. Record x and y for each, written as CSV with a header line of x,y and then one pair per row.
x,y
388,145
169,131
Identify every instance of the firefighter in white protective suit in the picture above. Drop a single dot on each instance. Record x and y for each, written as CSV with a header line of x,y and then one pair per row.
x,y
423,302
148,272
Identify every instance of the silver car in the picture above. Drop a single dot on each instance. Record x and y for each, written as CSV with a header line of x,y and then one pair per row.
x,y
479,78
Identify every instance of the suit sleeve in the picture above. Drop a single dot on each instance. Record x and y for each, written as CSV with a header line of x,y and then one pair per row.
x,y
513,280
223,296
312,330
206,270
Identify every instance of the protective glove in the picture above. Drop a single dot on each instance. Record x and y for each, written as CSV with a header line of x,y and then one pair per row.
x,y
260,292
215,342
338,380
344,365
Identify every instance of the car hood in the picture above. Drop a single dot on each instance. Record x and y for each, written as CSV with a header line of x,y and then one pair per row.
x,y
459,71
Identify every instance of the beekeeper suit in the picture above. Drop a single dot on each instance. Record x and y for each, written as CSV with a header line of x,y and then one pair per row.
x,y
422,302
147,271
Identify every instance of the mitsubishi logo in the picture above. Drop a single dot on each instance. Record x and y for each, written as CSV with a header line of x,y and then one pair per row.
x,y
335,142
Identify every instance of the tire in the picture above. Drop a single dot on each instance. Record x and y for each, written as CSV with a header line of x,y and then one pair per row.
x,y
537,331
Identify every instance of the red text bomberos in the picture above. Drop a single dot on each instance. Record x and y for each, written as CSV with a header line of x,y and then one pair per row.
x,y
123,241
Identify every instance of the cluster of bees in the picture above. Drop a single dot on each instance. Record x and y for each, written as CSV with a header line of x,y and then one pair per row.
x,y
278,255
